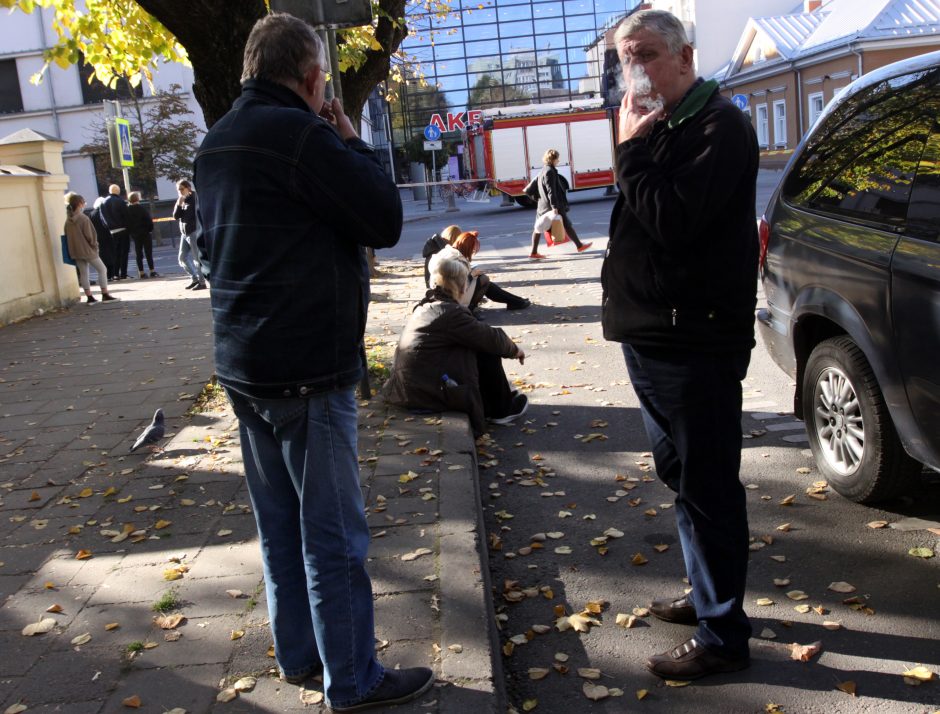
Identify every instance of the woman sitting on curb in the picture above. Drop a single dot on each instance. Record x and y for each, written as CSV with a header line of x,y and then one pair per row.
x,y
470,245
83,247
447,360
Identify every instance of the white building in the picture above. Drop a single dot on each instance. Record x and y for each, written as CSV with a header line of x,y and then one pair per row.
x,y
63,106
60,105
714,26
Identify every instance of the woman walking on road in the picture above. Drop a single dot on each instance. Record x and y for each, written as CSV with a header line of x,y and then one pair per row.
x,y
83,247
185,212
140,226
553,196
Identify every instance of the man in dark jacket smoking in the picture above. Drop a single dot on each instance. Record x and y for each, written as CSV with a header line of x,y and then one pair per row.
x,y
680,282
290,197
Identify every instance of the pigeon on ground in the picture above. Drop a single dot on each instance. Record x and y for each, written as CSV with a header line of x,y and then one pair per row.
x,y
153,433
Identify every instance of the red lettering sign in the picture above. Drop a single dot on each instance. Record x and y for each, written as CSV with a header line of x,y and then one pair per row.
x,y
455,121
438,122
474,116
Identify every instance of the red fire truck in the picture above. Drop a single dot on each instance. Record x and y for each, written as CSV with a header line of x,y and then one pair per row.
x,y
506,148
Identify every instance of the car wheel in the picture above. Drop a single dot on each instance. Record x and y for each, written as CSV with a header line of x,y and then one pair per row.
x,y
850,430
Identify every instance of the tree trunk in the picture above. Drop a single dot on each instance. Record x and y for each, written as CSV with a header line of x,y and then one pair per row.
x,y
214,35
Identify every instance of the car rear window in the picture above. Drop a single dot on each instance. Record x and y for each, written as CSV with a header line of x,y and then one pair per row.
x,y
862,160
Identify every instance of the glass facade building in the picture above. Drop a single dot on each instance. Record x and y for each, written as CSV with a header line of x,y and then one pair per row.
x,y
482,55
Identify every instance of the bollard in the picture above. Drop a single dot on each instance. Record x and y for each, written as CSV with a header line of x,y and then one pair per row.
x,y
451,205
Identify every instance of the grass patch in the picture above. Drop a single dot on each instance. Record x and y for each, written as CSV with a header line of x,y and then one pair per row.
x,y
211,399
169,601
379,358
136,646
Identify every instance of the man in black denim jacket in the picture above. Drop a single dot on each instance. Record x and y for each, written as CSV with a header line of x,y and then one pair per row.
x,y
680,284
289,199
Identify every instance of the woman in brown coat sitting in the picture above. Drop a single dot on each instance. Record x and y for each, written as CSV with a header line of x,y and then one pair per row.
x,y
83,246
447,360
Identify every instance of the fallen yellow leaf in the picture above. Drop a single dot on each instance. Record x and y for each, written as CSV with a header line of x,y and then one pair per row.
x,y
919,673
83,554
132,702
847,687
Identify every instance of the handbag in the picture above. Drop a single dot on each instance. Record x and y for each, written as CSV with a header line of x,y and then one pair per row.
x,y
66,256
557,231
532,189
544,222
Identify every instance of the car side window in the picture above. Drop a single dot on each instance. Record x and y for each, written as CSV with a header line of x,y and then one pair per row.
x,y
923,217
862,161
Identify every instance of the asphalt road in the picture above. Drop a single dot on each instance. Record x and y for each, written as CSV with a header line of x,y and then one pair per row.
x,y
559,472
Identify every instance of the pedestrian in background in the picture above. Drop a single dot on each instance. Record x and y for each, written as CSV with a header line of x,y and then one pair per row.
x,y
83,247
107,250
185,212
140,226
114,216
290,199
553,196
680,280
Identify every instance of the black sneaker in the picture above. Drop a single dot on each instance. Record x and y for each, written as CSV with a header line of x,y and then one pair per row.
x,y
193,284
107,297
519,305
520,403
200,286
90,299
397,687
154,274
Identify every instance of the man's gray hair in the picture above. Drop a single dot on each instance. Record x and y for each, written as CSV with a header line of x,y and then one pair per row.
x,y
282,49
663,23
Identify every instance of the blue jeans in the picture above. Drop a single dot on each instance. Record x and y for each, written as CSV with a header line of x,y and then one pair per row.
x,y
691,408
303,477
188,257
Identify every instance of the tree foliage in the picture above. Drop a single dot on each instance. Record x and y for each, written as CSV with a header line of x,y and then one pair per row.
x,y
127,38
165,140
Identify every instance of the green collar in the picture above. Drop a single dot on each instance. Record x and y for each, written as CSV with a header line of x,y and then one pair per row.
x,y
693,103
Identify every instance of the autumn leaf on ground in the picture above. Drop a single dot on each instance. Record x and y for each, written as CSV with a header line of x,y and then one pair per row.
x,y
132,702
54,609
920,673
641,694
538,672
83,554
414,555
788,500
245,684
169,622
580,622
797,595
847,687
226,695
639,559
921,552
81,640
764,601
595,692
39,628
529,704
677,683
878,524
589,672
804,653
625,621
841,587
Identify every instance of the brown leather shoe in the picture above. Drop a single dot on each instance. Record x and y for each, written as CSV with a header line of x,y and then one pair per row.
x,y
680,610
691,661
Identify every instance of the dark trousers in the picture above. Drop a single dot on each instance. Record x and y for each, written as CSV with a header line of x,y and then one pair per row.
x,y
143,245
691,408
494,388
569,229
497,294
107,251
123,252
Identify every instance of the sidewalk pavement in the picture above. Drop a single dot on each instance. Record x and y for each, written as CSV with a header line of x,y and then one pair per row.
x,y
92,537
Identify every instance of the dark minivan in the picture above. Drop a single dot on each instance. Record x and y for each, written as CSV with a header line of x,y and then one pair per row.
x,y
850,263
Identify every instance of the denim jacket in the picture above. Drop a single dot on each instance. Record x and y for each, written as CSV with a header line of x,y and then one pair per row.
x,y
286,208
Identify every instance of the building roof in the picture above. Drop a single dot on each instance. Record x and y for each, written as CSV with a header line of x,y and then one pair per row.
x,y
24,136
835,24
789,32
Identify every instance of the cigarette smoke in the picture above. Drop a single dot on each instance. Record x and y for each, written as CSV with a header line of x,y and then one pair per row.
x,y
640,88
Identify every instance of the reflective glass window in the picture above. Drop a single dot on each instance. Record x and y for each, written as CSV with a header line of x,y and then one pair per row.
x,y
514,12
477,17
555,43
862,161
515,29
579,23
449,50
487,48
547,9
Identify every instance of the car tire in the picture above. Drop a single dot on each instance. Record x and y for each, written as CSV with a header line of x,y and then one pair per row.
x,y
850,431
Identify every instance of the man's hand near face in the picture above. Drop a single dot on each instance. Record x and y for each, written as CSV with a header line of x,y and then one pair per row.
x,y
635,121
333,112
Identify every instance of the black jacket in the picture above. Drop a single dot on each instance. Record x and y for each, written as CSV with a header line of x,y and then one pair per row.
x,y
681,265
114,213
443,337
139,222
553,191
185,212
285,209
432,246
